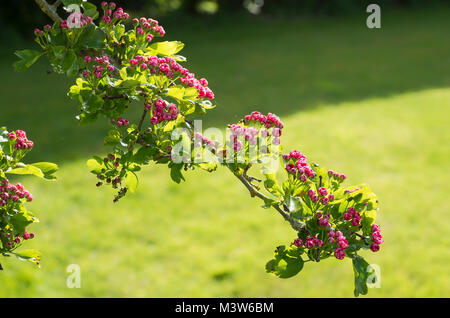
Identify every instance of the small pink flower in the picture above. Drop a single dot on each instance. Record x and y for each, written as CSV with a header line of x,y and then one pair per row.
x,y
339,253
298,242
295,154
154,120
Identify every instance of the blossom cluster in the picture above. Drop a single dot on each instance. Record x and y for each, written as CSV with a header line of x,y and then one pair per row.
x,y
97,67
162,111
10,193
158,65
269,121
376,238
21,140
110,16
297,165
201,85
12,240
200,140
353,216
337,176
249,133
148,28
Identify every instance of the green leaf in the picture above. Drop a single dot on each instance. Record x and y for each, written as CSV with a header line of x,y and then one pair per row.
x,y
287,262
47,168
113,138
293,204
92,103
271,185
95,165
361,275
206,104
69,2
27,170
131,180
22,219
68,61
93,37
119,30
27,58
208,166
129,83
90,9
32,256
144,154
167,48
175,172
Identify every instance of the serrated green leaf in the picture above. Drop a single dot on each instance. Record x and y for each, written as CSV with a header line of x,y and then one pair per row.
x,y
30,255
131,180
27,58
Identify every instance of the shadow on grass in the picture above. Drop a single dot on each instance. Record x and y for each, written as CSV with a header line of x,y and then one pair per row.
x,y
270,65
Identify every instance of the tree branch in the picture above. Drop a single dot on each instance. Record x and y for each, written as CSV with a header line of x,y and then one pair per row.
x,y
142,119
296,225
361,236
49,9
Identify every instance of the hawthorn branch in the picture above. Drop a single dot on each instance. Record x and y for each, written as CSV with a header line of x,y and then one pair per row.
x,y
142,119
49,9
362,237
115,97
296,225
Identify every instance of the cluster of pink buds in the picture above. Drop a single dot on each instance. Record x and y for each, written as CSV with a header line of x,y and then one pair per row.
x,y
323,220
21,141
338,176
200,140
10,193
298,166
376,238
162,111
148,28
12,240
342,242
269,121
326,198
249,134
297,242
110,16
120,122
162,65
38,32
75,20
352,215
200,84
99,66
312,241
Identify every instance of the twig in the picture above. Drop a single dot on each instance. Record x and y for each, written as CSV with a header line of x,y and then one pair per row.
x,y
49,9
361,236
114,97
142,119
296,225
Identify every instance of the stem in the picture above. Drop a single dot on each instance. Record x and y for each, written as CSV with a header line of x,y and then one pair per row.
x,y
142,119
362,237
49,9
296,225
114,97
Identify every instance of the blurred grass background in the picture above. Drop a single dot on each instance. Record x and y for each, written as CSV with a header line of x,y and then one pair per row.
x,y
374,104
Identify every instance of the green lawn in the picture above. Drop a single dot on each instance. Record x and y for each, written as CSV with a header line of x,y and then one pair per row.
x,y
374,104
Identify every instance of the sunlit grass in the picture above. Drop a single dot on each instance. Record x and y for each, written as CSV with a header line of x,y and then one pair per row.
x,y
372,105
